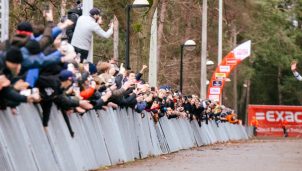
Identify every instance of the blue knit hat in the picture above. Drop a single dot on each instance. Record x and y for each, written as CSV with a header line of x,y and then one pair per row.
x,y
140,107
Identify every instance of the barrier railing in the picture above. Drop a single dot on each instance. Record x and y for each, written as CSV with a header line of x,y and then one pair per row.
x,y
101,138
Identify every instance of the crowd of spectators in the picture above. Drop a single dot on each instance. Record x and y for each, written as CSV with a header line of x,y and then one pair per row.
x,y
47,65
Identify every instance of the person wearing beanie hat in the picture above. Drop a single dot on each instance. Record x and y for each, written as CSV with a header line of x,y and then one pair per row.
x,y
85,27
25,28
10,63
14,55
33,47
95,11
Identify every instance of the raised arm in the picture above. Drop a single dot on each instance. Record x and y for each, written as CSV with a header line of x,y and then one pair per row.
x,y
100,32
294,70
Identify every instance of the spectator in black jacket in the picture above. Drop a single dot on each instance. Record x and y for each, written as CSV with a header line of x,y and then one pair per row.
x,y
10,66
73,15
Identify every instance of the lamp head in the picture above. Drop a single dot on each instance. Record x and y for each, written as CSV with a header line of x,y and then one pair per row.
x,y
190,45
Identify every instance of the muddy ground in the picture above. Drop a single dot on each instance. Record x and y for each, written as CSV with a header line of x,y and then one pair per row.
x,y
254,155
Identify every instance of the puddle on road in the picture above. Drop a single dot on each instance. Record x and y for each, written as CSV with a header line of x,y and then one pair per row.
x,y
216,149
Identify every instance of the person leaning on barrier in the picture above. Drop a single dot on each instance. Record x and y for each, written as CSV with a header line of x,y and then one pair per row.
x,y
101,95
68,98
4,82
85,27
198,110
122,94
210,110
294,70
188,107
232,118
10,66
32,44
48,81
217,114
205,105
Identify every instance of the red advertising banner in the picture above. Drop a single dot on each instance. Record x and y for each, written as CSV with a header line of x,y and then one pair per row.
x,y
270,119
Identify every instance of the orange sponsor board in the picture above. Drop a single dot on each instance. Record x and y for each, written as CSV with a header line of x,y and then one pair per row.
x,y
272,118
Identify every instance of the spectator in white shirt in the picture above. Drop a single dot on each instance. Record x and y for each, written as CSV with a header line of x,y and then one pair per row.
x,y
84,29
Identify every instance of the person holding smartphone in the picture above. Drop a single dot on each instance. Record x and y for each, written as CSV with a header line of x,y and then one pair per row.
x,y
85,27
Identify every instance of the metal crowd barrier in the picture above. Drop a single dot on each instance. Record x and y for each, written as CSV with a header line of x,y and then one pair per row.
x,y
102,138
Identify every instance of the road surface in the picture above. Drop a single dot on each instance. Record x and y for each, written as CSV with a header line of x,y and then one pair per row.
x,y
253,155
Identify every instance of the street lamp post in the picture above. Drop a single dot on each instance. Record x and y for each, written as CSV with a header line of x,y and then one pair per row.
x,y
136,4
189,45
204,38
220,32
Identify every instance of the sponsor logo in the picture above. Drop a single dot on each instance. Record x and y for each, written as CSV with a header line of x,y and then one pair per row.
x,y
220,76
214,91
231,61
217,83
242,53
214,97
279,116
260,116
224,68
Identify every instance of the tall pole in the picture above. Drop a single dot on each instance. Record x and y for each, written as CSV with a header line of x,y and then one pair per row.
x,y
235,73
247,100
220,32
153,53
181,65
115,39
203,68
4,20
127,63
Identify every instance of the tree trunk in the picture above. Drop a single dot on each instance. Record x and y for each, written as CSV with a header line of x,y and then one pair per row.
x,y
146,33
160,30
279,86
247,100
63,8
243,99
136,38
